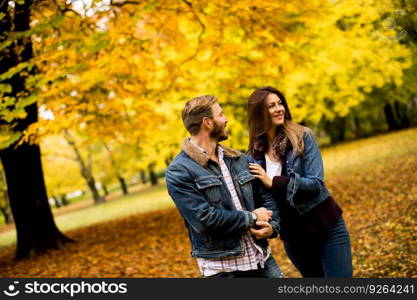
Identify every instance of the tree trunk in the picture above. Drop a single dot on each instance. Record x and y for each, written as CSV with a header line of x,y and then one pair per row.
x,y
168,160
116,169
85,170
390,117
336,129
142,176
358,129
8,217
105,190
152,176
35,226
57,204
94,191
341,129
6,214
64,200
123,185
401,111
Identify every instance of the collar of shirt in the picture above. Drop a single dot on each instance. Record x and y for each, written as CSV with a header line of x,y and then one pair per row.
x,y
219,149
198,147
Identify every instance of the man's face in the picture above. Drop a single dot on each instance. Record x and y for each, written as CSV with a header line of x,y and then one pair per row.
x,y
218,132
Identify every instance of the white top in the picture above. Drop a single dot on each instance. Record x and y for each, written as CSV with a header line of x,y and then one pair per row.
x,y
273,168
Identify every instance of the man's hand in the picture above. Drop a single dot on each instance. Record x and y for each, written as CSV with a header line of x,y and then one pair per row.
x,y
263,231
262,214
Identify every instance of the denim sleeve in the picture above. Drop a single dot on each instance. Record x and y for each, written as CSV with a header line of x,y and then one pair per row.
x,y
312,179
250,159
265,198
268,201
197,211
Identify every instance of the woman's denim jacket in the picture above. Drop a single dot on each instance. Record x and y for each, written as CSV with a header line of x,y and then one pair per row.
x,y
306,186
199,191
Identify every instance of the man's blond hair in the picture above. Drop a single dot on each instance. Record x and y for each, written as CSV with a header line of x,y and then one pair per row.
x,y
195,110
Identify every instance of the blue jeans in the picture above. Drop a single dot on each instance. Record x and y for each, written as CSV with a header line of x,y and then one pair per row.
x,y
270,270
329,256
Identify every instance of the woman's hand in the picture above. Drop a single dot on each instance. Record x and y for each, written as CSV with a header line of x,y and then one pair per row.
x,y
258,172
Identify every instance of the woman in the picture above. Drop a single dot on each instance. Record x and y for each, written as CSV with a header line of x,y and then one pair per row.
x,y
287,160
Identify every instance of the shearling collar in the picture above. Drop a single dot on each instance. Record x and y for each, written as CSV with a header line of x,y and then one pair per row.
x,y
202,158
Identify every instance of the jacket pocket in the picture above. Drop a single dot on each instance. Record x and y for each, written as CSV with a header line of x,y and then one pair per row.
x,y
210,186
245,178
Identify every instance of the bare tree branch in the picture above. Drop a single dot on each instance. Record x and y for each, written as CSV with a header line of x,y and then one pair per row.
x,y
121,4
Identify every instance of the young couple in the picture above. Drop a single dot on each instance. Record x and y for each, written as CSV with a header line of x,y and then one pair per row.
x,y
232,203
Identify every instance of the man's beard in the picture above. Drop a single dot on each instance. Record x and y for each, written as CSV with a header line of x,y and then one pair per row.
x,y
218,133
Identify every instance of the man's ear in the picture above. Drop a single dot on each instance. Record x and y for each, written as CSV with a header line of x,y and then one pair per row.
x,y
207,122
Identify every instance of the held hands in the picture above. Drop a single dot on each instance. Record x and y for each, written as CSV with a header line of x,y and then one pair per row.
x,y
263,230
258,172
263,214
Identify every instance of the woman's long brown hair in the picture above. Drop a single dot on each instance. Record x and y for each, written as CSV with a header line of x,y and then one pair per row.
x,y
259,120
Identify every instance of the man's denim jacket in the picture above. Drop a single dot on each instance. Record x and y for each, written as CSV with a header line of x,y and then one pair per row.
x,y
199,191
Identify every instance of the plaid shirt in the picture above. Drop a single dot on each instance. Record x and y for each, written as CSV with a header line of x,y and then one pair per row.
x,y
253,254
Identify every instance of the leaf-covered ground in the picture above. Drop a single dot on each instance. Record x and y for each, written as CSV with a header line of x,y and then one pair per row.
x,y
379,202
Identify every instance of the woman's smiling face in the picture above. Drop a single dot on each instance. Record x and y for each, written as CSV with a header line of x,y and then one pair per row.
x,y
275,109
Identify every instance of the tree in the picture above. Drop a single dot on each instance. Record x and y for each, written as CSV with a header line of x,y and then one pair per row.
x,y
391,106
35,226
62,172
85,167
117,168
116,77
4,200
399,98
120,71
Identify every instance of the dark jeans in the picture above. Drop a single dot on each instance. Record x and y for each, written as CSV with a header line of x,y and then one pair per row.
x,y
329,256
270,270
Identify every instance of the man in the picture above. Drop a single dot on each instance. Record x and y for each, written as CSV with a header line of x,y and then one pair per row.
x,y
216,195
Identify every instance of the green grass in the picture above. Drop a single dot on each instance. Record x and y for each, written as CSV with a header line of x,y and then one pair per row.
x,y
338,160
152,199
360,154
